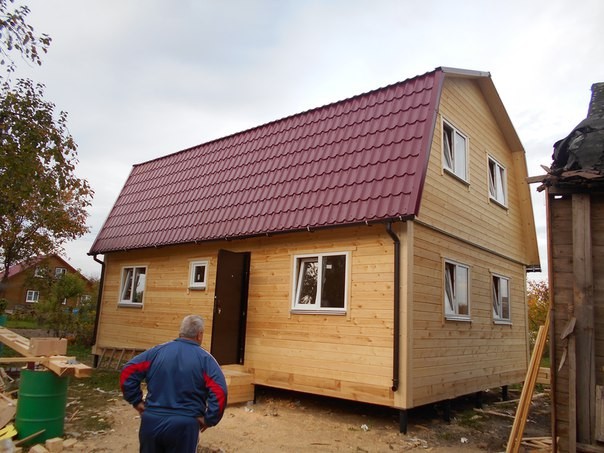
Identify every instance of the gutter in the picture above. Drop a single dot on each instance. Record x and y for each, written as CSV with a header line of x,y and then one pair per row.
x,y
397,306
97,316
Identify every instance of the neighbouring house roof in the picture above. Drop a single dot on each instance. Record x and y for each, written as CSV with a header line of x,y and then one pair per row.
x,y
360,160
21,266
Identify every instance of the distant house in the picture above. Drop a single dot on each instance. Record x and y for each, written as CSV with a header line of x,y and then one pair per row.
x,y
27,280
374,249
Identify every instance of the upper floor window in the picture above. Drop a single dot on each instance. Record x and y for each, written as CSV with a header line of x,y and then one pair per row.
x,y
457,294
497,182
198,274
32,296
455,151
133,285
501,298
39,272
60,271
320,282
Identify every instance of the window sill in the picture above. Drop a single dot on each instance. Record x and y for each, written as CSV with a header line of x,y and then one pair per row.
x,y
197,288
298,311
456,176
498,203
457,318
129,305
502,322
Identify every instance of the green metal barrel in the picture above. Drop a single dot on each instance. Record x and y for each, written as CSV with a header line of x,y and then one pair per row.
x,y
41,405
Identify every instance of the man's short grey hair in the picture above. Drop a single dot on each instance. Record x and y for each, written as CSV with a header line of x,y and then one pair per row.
x,y
191,325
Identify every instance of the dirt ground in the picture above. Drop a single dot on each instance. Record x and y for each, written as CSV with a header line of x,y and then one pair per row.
x,y
283,421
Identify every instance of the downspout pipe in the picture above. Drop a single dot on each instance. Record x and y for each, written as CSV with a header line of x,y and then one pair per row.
x,y
397,307
98,307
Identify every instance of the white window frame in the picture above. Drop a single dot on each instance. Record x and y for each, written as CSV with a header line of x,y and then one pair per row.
x,y
297,277
192,269
35,296
497,175
60,271
455,161
453,290
497,299
39,272
132,281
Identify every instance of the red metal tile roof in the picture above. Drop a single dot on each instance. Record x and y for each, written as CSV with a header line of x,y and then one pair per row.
x,y
359,160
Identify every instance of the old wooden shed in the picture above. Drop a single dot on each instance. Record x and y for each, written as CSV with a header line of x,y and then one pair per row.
x,y
575,210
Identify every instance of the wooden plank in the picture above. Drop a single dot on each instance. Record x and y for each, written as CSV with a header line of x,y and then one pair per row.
x,y
58,364
515,438
584,312
599,432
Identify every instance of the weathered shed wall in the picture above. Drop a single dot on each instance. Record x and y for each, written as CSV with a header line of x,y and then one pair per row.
x,y
570,365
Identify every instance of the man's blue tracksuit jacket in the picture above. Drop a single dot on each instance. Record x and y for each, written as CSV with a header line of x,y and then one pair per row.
x,y
182,379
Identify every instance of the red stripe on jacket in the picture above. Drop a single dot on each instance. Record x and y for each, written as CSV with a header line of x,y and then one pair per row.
x,y
130,370
217,390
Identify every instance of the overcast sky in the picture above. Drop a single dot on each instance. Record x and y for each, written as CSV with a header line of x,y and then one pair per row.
x,y
144,78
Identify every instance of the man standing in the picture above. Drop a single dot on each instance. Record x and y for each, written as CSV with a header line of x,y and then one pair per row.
x,y
186,391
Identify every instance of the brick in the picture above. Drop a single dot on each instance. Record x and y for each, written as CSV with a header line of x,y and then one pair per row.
x,y
54,445
38,449
68,443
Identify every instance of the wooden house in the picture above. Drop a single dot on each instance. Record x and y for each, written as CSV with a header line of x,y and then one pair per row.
x,y
575,213
374,249
28,280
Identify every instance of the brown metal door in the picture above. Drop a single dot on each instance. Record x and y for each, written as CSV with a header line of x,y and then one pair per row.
x,y
230,307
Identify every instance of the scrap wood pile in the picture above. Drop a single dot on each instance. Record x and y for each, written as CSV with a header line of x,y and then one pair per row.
x,y
48,353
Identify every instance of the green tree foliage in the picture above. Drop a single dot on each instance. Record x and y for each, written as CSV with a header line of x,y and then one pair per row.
x,y
56,309
538,306
43,202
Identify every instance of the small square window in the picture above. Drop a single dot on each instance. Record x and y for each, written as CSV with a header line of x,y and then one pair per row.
x,y
39,272
320,282
457,291
32,296
59,271
501,298
497,182
133,285
198,274
455,151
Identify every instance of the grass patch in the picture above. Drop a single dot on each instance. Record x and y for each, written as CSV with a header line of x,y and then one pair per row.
x,y
12,323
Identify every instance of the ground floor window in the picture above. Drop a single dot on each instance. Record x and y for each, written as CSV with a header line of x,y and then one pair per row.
x,y
501,298
320,282
198,274
457,294
133,285
32,296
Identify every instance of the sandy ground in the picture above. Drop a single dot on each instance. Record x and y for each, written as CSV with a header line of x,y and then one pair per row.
x,y
283,421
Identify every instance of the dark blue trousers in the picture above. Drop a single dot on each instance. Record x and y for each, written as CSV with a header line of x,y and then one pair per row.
x,y
168,434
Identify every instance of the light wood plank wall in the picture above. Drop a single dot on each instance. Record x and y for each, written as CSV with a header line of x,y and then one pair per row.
x,y
464,209
445,354
348,356
452,358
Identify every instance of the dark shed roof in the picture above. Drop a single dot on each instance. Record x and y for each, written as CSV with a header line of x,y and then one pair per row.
x,y
359,160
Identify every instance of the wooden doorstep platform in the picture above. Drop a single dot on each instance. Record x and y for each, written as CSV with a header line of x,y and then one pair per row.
x,y
240,384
